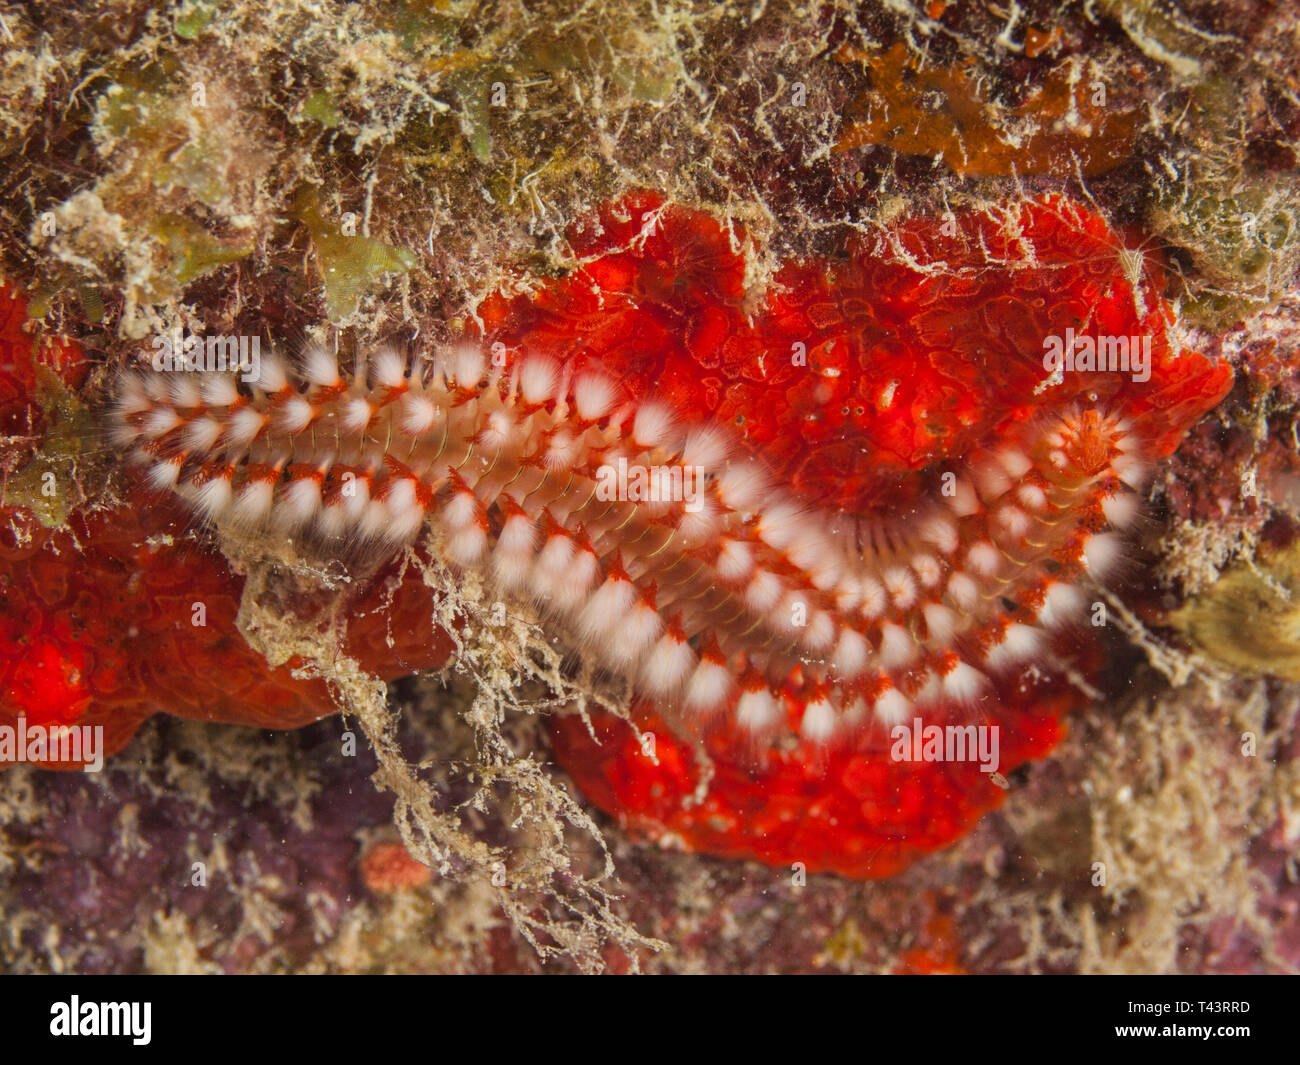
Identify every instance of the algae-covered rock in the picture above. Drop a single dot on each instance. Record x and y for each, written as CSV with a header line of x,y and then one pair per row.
x,y
1249,619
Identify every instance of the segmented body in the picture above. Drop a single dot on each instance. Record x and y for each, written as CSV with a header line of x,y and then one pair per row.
x,y
709,604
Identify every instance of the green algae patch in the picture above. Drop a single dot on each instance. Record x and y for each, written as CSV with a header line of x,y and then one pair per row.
x,y
195,252
48,485
352,266
193,18
1244,240
1249,619
321,107
62,281
175,145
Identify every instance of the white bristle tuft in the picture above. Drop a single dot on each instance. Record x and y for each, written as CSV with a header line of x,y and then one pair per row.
x,y
901,586
927,570
819,634
706,448
271,377
355,495
897,648
735,560
296,414
539,376
553,561
462,510
332,523
164,475
252,506
466,547
699,525
245,425
496,434
320,367
467,365
132,397
218,390
388,368
742,486
1063,604
1015,463
667,667
593,396
214,497
183,391
655,427
563,450
1101,552
404,509
373,521
419,413
357,414
1120,509
852,653
892,707
984,559
963,591
608,609
874,598
1019,642
991,480
963,500
299,503
1014,521
826,571
708,687
634,637
810,550
1132,471
942,533
579,578
513,555
848,593
201,433
763,591
818,724
160,422
757,710
940,621
964,683
1032,497
122,434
